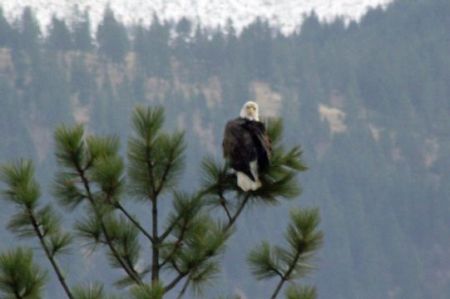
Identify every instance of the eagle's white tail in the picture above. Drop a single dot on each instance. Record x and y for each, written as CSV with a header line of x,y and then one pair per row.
x,y
246,183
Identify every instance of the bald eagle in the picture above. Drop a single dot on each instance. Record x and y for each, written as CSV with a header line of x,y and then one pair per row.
x,y
247,147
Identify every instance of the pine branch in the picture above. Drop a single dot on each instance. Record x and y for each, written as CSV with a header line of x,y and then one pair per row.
x,y
204,241
177,244
301,292
174,265
90,291
153,199
277,272
239,210
303,239
149,163
50,256
19,276
186,209
172,161
156,191
128,269
164,177
160,154
106,172
24,190
175,281
155,291
223,203
183,290
167,232
156,243
181,274
135,222
18,296
179,277
286,275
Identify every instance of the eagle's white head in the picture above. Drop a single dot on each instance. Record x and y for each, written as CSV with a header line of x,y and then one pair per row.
x,y
250,111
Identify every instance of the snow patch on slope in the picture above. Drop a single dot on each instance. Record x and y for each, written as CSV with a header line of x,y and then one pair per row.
x,y
334,117
285,14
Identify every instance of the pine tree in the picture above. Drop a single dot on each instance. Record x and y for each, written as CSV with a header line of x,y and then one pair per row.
x,y
151,46
6,31
82,39
186,244
112,37
59,37
30,33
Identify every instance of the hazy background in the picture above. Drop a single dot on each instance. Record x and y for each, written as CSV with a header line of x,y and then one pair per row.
x,y
368,101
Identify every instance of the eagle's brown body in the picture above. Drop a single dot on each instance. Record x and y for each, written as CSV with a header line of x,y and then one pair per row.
x,y
246,142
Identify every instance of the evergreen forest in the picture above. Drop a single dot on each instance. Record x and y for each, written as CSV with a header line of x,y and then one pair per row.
x,y
368,101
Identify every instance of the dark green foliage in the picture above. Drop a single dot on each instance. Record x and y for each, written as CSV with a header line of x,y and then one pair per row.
x,y
29,38
20,277
184,27
147,292
6,31
95,155
92,170
388,74
155,161
198,244
264,262
66,190
256,40
82,39
151,46
69,145
89,229
302,233
291,262
30,220
59,36
22,188
91,173
93,291
160,153
112,38
99,148
296,292
279,181
59,243
107,173
124,237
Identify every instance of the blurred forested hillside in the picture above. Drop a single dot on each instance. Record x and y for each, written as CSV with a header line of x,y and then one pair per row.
x,y
368,102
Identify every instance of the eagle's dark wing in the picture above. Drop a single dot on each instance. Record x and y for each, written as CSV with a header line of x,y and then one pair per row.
x,y
261,141
239,146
